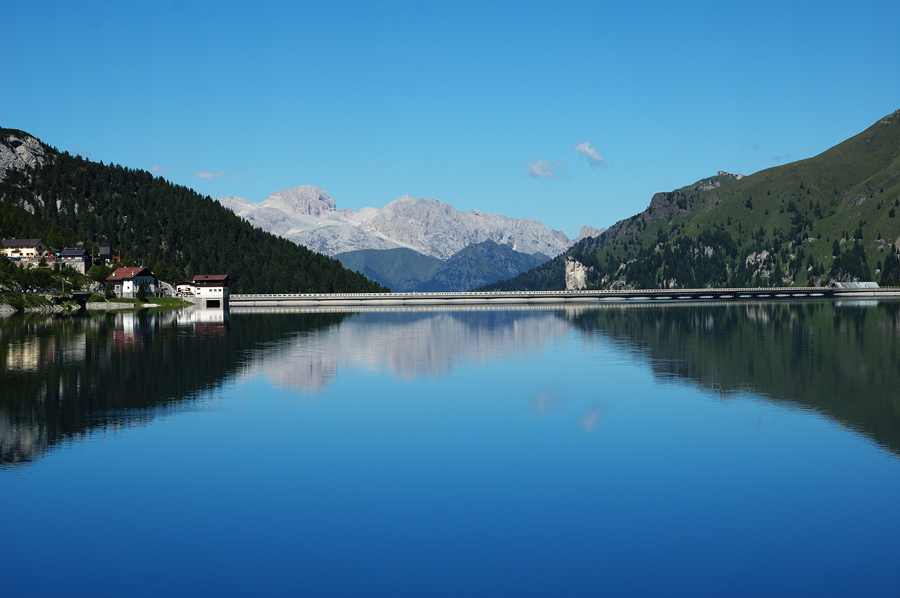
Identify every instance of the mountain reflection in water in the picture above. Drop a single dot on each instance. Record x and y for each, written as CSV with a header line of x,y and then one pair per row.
x,y
66,378
408,344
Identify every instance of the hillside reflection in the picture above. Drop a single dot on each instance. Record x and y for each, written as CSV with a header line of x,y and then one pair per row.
x,y
842,360
67,378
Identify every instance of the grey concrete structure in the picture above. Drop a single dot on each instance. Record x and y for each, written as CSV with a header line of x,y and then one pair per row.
x,y
556,297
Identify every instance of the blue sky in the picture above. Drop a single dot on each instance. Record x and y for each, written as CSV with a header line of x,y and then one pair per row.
x,y
482,105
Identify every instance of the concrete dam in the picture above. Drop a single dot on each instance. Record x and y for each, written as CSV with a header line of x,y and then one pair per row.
x,y
560,297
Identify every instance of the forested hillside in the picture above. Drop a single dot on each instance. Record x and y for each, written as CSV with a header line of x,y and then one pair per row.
x,y
833,217
404,270
150,220
400,269
477,264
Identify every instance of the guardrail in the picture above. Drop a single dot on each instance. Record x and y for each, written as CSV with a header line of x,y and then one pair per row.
x,y
526,297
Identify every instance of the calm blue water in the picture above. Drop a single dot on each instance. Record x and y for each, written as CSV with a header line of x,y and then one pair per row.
x,y
697,451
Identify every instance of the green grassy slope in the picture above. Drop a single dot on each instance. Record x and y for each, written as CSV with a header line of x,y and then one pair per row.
x,y
835,216
151,220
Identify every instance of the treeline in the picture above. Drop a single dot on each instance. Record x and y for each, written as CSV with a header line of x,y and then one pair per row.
x,y
715,259
711,259
18,223
151,221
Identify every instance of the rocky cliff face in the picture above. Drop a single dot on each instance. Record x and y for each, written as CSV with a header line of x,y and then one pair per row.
x,y
308,216
576,275
19,150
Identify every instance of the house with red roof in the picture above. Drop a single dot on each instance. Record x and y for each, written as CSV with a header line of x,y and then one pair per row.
x,y
127,281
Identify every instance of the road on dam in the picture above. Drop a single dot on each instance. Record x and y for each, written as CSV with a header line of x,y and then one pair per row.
x,y
559,297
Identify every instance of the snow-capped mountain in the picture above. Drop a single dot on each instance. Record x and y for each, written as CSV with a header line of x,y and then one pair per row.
x,y
308,216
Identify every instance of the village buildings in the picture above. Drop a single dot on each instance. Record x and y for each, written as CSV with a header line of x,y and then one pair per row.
x,y
127,282
33,253
208,290
75,258
28,249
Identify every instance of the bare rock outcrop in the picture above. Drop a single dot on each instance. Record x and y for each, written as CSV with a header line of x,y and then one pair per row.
x,y
576,275
19,151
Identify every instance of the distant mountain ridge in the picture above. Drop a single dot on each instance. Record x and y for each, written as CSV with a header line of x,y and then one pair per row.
x,y
308,216
403,269
400,269
478,264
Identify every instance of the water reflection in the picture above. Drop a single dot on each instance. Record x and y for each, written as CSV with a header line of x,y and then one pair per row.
x,y
546,403
592,417
67,377
839,359
409,344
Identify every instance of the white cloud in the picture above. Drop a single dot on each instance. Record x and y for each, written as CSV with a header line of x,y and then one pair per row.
x,y
157,169
544,168
208,176
588,151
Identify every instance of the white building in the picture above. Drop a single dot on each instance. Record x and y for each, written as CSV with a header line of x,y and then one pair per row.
x,y
127,281
211,290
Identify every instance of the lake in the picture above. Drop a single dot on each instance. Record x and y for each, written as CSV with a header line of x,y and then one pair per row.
x,y
641,450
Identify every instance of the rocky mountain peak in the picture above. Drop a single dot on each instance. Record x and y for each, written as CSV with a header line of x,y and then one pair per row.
x,y
889,118
589,231
412,205
306,200
308,216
